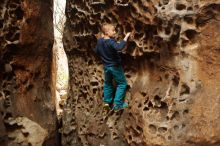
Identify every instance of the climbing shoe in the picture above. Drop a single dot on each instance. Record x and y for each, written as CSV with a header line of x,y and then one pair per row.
x,y
120,107
106,107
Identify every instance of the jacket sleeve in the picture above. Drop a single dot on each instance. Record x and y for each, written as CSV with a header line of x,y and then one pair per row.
x,y
117,46
96,47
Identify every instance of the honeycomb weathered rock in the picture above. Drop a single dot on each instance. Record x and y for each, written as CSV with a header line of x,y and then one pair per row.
x,y
171,64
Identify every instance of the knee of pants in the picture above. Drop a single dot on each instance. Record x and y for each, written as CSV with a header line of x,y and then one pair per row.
x,y
124,85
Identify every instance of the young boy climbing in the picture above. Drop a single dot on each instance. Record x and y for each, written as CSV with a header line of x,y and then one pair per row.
x,y
108,50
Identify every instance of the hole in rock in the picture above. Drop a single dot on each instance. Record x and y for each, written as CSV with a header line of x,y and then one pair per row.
x,y
139,105
94,90
139,129
188,19
16,37
165,2
128,28
185,89
9,36
146,9
176,79
152,128
138,26
190,33
131,46
184,43
128,75
183,125
167,30
94,83
145,109
19,13
180,7
12,5
1,23
135,1
176,127
17,2
189,8
164,105
143,94
162,129
169,137
186,111
157,98
7,93
90,62
176,116
7,115
166,76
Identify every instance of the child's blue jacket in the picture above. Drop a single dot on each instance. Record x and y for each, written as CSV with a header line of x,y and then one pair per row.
x,y
108,50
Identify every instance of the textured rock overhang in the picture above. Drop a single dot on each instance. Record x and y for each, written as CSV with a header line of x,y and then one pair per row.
x,y
172,66
26,39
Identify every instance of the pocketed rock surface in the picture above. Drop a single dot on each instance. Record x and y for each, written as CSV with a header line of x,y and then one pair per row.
x,y
171,64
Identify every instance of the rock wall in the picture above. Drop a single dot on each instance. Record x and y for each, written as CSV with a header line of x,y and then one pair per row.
x,y
171,64
27,110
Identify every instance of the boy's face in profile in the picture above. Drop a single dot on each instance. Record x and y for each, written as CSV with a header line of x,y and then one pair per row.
x,y
111,31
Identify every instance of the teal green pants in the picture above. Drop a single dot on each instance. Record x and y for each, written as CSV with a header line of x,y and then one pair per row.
x,y
117,74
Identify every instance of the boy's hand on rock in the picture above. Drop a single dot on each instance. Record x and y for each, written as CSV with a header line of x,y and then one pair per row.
x,y
127,36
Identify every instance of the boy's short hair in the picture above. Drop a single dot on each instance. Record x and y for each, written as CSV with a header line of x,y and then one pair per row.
x,y
105,27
